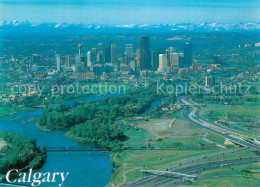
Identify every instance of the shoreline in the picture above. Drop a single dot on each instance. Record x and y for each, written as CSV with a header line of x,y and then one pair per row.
x,y
42,128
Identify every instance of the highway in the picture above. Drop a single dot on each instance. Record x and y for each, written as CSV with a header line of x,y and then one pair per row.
x,y
192,114
166,179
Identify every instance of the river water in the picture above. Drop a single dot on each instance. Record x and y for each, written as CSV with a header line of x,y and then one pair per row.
x,y
85,170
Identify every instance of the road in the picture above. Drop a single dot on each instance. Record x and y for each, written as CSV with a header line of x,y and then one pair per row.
x,y
159,180
192,114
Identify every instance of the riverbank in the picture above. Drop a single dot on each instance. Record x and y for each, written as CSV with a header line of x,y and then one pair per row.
x,y
42,128
19,153
72,137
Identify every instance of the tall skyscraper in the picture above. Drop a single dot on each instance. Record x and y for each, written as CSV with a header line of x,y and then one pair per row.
x,y
84,60
129,51
114,54
176,60
36,59
145,53
107,54
100,46
100,57
154,60
90,58
67,61
187,55
138,59
58,63
94,53
163,63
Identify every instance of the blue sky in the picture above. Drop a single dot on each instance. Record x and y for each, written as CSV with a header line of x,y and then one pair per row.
x,y
122,12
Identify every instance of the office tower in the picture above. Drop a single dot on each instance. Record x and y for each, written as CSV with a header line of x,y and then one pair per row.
x,y
138,59
36,59
67,61
181,60
107,54
129,51
58,63
114,54
100,46
187,55
133,65
210,81
100,57
79,46
163,63
90,61
145,54
176,60
84,59
154,60
94,51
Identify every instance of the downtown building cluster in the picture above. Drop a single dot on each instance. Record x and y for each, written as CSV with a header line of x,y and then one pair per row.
x,y
104,62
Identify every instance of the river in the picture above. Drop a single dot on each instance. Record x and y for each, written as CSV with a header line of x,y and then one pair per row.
x,y
85,169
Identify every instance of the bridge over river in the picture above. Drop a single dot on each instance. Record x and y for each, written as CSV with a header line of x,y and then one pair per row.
x,y
76,149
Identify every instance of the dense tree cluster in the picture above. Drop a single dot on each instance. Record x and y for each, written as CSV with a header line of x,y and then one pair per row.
x,y
95,122
20,153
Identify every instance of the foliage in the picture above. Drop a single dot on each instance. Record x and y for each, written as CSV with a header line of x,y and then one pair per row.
x,y
98,122
20,153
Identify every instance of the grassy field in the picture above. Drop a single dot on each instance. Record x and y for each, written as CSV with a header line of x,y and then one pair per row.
x,y
246,110
235,117
129,163
226,181
162,133
182,135
215,138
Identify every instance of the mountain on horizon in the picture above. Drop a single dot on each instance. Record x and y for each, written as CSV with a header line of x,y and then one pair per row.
x,y
16,28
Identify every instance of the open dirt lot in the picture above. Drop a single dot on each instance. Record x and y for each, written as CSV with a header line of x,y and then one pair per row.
x,y
173,128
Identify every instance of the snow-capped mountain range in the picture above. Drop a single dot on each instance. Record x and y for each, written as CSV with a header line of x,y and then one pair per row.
x,y
27,28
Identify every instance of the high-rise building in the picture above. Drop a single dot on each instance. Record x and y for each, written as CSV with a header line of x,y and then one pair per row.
x,y
187,55
67,61
154,60
133,65
90,61
84,60
100,46
36,59
107,54
94,53
145,53
58,63
210,81
163,63
114,54
129,51
100,57
138,59
174,60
